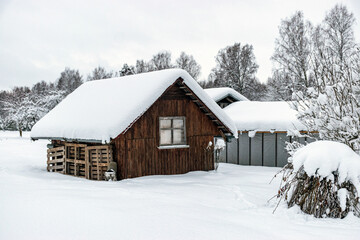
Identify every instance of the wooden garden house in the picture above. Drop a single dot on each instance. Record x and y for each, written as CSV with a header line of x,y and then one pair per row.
x,y
152,123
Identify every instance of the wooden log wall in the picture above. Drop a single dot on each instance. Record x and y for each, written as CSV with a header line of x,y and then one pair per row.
x,y
137,152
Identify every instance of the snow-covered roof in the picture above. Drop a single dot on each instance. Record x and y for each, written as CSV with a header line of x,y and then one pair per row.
x,y
263,116
101,110
218,94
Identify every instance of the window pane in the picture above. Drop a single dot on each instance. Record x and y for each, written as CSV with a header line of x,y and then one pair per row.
x,y
165,137
178,123
178,136
165,123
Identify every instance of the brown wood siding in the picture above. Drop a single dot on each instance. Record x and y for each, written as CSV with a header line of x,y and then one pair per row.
x,y
137,153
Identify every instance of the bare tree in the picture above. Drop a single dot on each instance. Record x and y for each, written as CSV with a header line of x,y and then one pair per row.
x,y
188,63
338,32
235,67
280,86
207,83
99,73
69,80
142,67
291,57
160,61
256,91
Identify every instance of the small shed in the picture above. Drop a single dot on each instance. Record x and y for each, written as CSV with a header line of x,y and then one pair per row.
x,y
263,130
152,123
224,96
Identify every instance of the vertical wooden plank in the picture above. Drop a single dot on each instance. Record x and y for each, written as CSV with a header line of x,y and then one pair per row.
x,y
98,162
87,175
75,163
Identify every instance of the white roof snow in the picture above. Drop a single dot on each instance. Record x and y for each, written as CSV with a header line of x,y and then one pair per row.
x,y
220,93
263,116
102,109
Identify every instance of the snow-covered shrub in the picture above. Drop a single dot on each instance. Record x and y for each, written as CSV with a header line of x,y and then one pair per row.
x,y
220,145
322,178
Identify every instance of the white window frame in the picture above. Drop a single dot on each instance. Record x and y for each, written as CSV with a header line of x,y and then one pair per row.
x,y
172,144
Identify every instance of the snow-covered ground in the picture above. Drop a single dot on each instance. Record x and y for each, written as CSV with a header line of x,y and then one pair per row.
x,y
228,204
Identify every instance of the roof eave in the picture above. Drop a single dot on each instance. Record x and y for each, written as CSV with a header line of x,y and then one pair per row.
x,y
68,139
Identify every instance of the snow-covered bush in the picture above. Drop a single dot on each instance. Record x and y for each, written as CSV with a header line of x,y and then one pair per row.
x,y
323,179
220,145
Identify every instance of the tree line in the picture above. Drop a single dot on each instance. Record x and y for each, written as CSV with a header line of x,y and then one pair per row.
x,y
22,107
304,55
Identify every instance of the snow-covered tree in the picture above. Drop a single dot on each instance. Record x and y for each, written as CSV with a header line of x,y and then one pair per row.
x,y
188,63
22,107
332,105
127,70
23,113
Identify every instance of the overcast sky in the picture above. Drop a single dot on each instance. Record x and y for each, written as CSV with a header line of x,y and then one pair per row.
x,y
39,38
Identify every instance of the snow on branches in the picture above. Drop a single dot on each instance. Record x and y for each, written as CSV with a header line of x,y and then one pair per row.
x,y
332,105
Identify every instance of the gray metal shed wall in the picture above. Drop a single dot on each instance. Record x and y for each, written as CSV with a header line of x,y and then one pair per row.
x,y
256,150
232,151
269,149
244,149
264,149
282,154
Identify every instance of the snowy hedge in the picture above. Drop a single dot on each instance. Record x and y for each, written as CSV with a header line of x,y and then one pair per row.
x,y
323,179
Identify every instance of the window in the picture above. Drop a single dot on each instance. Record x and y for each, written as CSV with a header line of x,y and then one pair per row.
x,y
172,131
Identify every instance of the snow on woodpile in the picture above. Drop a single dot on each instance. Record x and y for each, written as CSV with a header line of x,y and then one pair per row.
x,y
220,93
263,116
323,158
102,109
323,179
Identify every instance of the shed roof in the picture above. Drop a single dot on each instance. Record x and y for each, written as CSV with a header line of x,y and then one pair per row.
x,y
218,94
263,116
103,109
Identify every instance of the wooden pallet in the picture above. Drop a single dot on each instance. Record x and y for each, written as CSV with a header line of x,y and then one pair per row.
x,y
80,160
99,159
75,159
56,159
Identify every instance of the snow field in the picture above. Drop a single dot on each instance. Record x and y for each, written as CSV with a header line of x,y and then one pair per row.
x,y
228,204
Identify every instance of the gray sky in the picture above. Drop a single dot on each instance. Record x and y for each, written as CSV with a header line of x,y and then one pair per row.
x,y
39,38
